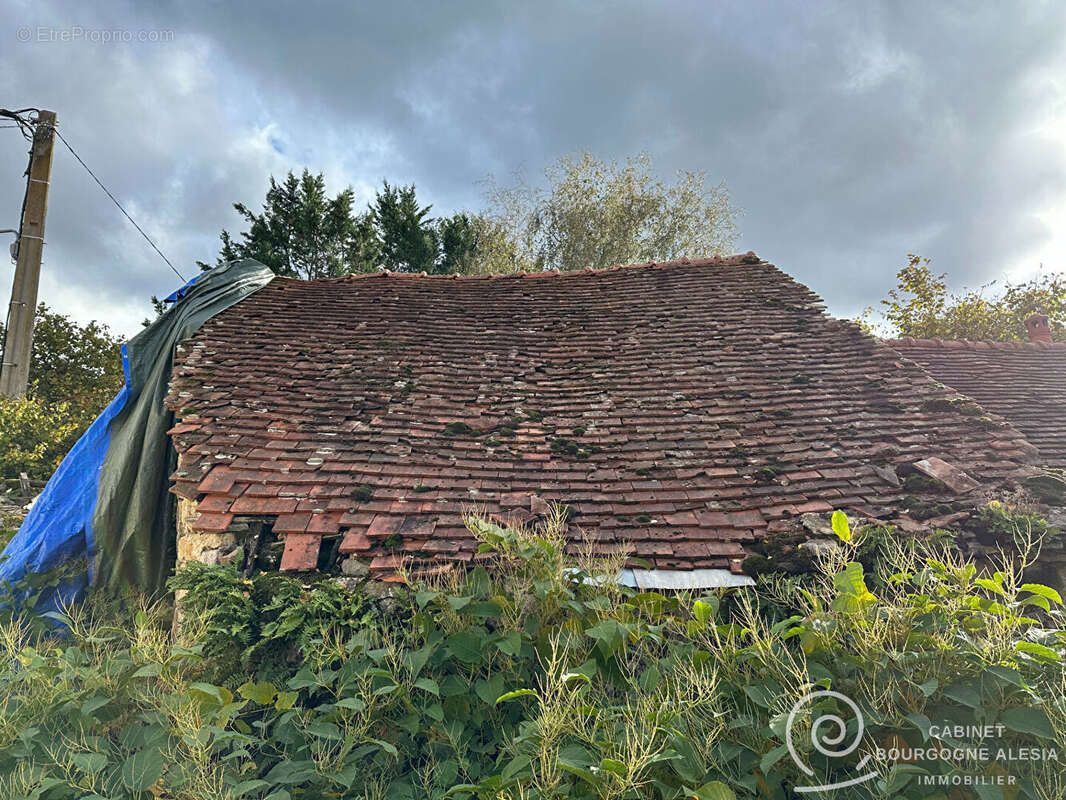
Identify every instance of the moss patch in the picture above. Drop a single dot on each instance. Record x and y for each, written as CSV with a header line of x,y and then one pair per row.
x,y
922,484
766,474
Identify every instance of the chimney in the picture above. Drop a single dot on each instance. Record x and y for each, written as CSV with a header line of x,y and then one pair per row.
x,y
1038,327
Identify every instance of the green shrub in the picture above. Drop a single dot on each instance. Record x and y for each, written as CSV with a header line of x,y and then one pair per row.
x,y
262,625
536,675
34,436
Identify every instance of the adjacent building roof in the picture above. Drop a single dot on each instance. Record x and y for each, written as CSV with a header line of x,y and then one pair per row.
x,y
681,410
1024,382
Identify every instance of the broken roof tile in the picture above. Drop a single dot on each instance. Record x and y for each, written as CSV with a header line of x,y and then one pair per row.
x,y
301,552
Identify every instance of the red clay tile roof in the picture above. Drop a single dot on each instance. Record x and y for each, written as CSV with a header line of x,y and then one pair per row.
x,y
1023,382
680,409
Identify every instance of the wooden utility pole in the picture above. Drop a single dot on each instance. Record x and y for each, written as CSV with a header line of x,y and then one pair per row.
x,y
18,344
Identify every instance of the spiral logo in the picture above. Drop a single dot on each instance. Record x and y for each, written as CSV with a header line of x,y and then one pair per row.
x,y
23,34
829,736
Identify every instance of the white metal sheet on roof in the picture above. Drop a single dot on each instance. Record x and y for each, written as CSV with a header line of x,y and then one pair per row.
x,y
682,579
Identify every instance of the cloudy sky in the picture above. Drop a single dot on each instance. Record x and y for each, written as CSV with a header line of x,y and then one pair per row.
x,y
850,133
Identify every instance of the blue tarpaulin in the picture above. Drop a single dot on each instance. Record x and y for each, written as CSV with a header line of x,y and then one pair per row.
x,y
108,502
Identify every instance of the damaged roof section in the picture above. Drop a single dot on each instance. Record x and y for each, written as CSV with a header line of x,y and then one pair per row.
x,y
682,411
1022,382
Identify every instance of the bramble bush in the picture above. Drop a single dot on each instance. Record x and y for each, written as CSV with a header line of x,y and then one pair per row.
x,y
537,675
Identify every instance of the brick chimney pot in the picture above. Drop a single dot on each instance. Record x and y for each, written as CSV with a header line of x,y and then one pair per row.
x,y
1039,328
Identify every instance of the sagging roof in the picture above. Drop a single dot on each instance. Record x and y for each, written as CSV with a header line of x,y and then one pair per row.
x,y
681,410
1023,382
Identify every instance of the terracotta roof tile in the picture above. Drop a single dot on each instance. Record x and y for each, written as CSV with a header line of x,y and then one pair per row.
x,y
680,409
1022,382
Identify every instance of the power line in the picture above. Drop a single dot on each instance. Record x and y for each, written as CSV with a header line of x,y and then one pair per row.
x,y
147,238
19,120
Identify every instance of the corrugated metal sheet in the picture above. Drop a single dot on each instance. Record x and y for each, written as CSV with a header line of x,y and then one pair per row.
x,y
654,579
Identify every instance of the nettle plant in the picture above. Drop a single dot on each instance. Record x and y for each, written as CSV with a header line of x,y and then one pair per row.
x,y
538,676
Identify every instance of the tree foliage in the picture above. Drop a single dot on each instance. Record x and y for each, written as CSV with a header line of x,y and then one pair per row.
x,y
592,212
922,306
34,436
303,233
75,371
80,365
599,213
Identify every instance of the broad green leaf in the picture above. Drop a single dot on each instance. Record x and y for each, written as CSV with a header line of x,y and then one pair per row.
x,y
586,775
435,711
1039,650
1038,601
94,704
515,766
488,610
991,585
91,763
141,770
851,580
286,700
288,773
569,677
929,687
964,695
1007,675
261,693
715,790
988,792
417,659
388,748
428,685
702,611
466,646
609,634
422,598
767,762
209,692
1030,720
840,526
489,690
324,730
511,644
922,723
1043,591
760,695
453,685
649,679
244,787
516,693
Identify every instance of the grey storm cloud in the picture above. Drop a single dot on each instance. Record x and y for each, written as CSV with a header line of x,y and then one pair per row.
x,y
850,133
